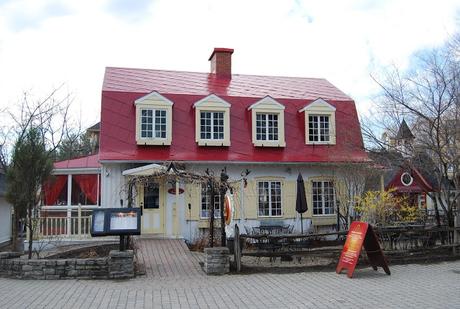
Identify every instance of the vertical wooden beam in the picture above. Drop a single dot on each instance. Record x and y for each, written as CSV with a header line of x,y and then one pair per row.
x,y
210,188
223,235
237,248
69,204
176,210
79,220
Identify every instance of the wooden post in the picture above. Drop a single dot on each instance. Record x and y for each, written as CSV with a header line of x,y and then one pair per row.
x,y
237,248
79,220
69,203
456,233
223,235
176,211
211,215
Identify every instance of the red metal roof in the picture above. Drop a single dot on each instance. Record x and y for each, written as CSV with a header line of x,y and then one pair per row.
x,y
419,183
83,162
123,86
192,83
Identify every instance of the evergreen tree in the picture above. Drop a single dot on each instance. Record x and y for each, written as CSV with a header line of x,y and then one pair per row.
x,y
30,167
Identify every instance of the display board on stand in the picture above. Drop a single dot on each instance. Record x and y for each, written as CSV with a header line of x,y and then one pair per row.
x,y
361,234
116,222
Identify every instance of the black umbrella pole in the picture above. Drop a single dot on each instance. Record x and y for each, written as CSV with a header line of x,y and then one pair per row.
x,y
301,224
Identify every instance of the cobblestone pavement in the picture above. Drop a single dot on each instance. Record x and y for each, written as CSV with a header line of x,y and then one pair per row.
x,y
409,286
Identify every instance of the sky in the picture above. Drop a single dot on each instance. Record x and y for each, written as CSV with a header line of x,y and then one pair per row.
x,y
48,43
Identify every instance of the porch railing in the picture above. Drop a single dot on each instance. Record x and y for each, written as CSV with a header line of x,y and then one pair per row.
x,y
64,226
71,224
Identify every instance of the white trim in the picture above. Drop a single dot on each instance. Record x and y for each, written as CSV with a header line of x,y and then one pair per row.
x,y
323,199
268,100
144,170
411,179
238,162
67,171
213,98
270,204
212,103
155,96
317,103
65,208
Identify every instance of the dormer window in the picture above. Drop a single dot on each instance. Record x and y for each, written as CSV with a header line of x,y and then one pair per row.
x,y
153,120
319,122
267,123
153,123
318,128
212,121
266,127
212,125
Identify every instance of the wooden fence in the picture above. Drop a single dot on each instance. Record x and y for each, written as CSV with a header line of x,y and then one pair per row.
x,y
394,238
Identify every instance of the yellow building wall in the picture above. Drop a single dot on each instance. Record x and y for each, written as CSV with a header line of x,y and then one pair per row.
x,y
250,201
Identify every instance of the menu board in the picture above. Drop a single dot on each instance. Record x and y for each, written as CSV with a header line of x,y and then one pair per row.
x,y
361,234
123,221
98,221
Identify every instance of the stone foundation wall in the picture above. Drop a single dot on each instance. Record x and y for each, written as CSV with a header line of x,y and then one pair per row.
x,y
121,264
216,261
118,265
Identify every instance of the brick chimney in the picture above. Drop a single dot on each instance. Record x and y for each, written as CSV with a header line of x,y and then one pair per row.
x,y
221,62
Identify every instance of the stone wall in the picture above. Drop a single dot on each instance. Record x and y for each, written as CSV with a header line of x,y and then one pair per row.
x,y
216,261
118,265
121,264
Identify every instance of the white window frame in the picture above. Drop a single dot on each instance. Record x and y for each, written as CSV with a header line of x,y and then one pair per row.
x,y
267,127
154,117
323,198
204,194
155,102
270,197
320,107
268,105
212,104
212,125
319,134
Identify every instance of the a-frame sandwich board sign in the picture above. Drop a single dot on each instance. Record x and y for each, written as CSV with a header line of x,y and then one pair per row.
x,y
359,234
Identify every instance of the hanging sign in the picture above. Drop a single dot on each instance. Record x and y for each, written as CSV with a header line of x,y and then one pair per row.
x,y
359,234
173,191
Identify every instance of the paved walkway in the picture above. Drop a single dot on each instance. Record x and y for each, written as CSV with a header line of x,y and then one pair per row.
x,y
167,258
173,285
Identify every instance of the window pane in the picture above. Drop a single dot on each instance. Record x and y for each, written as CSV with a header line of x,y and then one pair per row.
x,y
267,127
151,196
205,125
323,197
212,125
317,198
146,123
218,125
269,198
205,198
318,128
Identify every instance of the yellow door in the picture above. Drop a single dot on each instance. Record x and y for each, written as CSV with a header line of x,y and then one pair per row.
x,y
151,200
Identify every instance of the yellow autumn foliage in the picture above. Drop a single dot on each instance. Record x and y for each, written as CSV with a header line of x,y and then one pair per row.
x,y
384,208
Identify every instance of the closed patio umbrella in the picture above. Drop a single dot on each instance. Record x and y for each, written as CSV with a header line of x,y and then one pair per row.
x,y
301,200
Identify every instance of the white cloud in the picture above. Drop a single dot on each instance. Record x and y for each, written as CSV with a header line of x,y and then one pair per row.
x,y
343,41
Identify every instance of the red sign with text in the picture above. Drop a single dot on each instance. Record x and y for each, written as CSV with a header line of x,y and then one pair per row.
x,y
359,234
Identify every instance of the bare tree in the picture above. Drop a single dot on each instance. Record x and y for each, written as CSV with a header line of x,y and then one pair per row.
x,y
49,118
351,182
427,98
